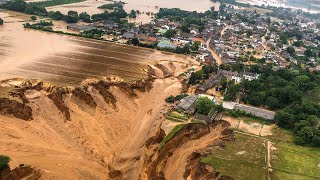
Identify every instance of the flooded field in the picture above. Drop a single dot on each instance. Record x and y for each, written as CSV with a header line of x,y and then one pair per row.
x,y
283,3
89,6
66,60
154,5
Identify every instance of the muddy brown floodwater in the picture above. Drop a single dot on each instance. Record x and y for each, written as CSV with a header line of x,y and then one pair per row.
x,y
66,60
89,6
144,6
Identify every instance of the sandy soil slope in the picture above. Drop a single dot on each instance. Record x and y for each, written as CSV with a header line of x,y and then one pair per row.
x,y
94,138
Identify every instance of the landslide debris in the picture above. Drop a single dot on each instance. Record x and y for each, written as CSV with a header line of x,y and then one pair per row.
x,y
21,172
57,99
157,163
15,108
83,94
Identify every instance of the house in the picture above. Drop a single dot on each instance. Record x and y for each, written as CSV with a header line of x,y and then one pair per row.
x,y
207,118
212,81
128,35
166,44
250,76
187,104
80,28
258,112
162,31
152,39
198,40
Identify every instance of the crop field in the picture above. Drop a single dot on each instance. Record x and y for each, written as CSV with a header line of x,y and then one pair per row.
x,y
295,162
244,158
274,157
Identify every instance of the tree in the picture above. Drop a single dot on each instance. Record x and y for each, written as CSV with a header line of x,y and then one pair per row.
x,y
298,43
195,46
135,41
232,92
133,14
70,19
284,38
57,15
1,21
301,81
170,33
309,53
85,17
316,141
195,77
305,134
170,99
204,105
285,119
272,103
185,28
4,161
33,18
256,99
73,13
291,50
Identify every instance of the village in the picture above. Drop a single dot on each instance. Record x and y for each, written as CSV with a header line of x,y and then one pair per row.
x,y
236,36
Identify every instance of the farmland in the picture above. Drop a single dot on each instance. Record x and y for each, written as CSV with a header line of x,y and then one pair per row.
x,y
273,156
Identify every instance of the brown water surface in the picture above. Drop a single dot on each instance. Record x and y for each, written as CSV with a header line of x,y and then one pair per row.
x,y
66,60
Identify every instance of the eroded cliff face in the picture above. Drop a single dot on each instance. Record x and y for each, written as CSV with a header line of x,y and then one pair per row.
x,y
180,157
84,132
21,172
17,109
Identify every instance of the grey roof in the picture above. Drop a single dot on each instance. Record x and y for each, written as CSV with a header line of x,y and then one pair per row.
x,y
80,28
187,103
214,79
258,112
262,113
128,35
163,45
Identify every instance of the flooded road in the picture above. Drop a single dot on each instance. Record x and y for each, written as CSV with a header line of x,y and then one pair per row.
x,y
66,60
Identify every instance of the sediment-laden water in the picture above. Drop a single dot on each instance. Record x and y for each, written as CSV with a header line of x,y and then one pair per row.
x,y
65,59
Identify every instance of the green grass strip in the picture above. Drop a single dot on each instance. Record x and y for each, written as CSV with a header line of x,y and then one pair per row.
x,y
170,135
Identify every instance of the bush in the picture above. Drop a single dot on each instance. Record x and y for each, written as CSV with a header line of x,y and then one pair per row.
x,y
4,161
33,18
173,99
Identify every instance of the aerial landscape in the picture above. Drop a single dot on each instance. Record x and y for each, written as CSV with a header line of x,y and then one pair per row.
x,y
160,89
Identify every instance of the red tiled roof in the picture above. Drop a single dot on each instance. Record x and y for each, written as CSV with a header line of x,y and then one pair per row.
x,y
198,39
153,39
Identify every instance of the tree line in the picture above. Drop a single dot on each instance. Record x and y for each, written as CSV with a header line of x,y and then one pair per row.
x,y
39,9
293,94
187,18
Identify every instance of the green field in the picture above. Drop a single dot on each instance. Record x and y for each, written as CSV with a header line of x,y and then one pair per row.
x,y
244,158
279,134
176,116
170,135
296,160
